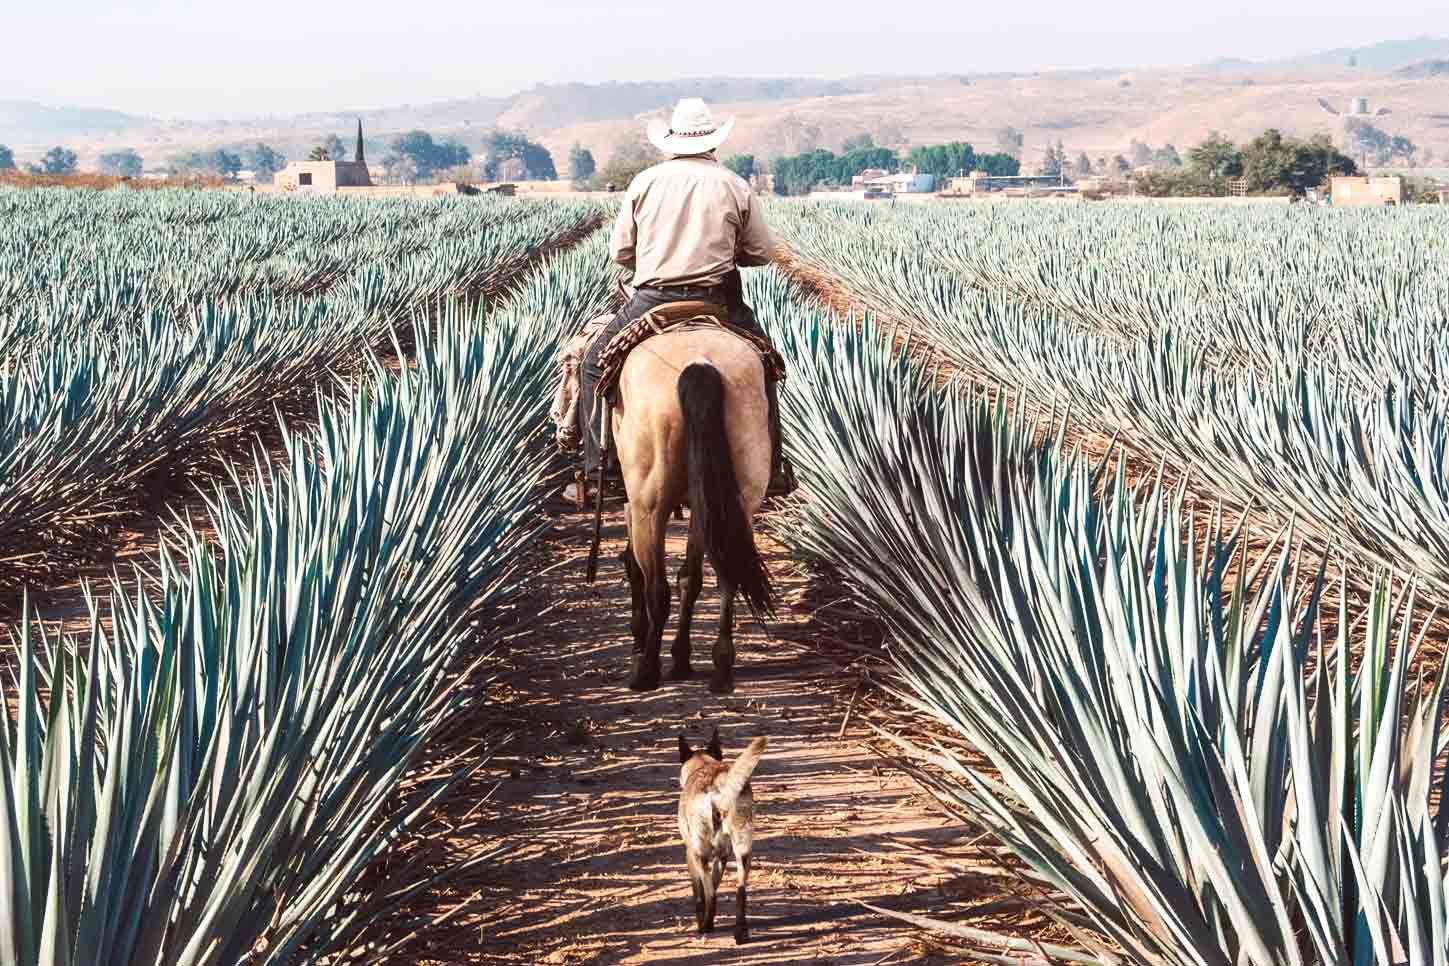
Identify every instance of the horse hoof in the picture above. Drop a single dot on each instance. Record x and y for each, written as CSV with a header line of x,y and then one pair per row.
x,y
742,936
681,672
722,684
644,682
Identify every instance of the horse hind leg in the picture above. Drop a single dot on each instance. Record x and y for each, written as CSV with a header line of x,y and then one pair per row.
x,y
647,542
691,579
639,615
723,679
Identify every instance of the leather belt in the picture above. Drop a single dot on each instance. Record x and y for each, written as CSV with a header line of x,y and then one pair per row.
x,y
704,293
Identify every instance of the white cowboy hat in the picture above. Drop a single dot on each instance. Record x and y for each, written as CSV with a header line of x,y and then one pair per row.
x,y
690,131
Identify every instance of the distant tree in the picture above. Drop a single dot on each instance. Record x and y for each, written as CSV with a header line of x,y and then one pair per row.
x,y
7,159
415,157
1402,148
858,142
800,174
1179,182
998,165
1010,140
1141,154
1318,161
1270,164
400,169
501,146
1084,164
59,160
1267,161
1166,157
336,150
451,152
319,153
628,159
264,162
948,160
125,163
1273,163
1217,157
219,163
1054,160
1368,141
224,163
511,169
852,163
742,165
458,174
581,163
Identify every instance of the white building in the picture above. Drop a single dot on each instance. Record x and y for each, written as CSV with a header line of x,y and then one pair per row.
x,y
903,184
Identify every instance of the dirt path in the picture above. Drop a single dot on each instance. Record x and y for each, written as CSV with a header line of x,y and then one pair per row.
x,y
586,805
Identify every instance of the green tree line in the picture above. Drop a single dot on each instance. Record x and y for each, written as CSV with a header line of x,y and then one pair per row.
x,y
1271,163
798,175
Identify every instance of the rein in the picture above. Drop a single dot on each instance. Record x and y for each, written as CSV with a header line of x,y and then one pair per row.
x,y
607,420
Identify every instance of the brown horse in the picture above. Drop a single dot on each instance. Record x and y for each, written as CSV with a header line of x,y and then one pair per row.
x,y
691,428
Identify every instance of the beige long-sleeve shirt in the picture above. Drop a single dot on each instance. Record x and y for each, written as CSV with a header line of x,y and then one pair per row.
x,y
689,221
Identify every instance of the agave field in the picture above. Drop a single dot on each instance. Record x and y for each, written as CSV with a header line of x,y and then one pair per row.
x,y
143,332
207,773
1212,761
1285,362
1201,748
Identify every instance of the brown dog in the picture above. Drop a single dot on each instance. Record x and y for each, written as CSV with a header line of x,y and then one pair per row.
x,y
716,804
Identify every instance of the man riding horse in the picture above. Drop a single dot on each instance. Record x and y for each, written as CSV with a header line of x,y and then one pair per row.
x,y
685,228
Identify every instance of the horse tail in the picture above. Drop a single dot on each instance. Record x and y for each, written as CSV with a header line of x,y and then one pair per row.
x,y
714,492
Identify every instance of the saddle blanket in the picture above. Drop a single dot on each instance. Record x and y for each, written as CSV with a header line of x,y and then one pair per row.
x,y
664,318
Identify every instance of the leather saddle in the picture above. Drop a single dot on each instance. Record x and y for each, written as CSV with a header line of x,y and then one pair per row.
x,y
674,315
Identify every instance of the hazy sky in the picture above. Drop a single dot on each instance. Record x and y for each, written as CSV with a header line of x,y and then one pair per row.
x,y
201,58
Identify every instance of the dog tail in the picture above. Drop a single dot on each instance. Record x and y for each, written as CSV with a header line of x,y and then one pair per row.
x,y
738,776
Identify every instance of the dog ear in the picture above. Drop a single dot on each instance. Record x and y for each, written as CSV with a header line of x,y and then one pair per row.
x,y
685,752
714,747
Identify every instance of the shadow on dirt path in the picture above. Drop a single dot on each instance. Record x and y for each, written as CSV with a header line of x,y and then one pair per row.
x,y
585,801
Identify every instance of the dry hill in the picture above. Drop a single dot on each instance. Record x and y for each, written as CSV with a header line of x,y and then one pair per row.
x,y
1099,112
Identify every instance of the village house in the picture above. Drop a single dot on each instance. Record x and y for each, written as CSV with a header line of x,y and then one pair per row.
x,y
858,182
326,176
1345,192
900,184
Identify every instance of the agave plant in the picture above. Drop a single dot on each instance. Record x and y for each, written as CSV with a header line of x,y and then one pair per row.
x,y
147,329
1337,424
206,781
1174,739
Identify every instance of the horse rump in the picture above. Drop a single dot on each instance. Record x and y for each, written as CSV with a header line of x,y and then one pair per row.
x,y
714,491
